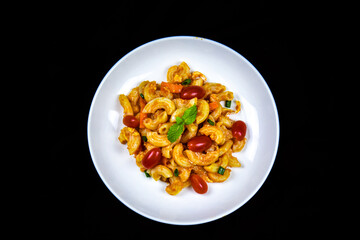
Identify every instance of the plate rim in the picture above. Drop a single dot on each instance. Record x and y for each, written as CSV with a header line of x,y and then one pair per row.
x,y
230,210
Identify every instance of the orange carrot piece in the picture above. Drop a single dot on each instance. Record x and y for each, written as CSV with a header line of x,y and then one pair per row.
x,y
142,117
214,105
174,88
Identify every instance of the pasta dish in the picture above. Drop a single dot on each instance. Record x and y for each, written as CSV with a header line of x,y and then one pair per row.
x,y
179,131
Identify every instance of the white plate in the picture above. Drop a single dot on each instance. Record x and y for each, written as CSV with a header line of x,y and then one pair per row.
x,y
220,64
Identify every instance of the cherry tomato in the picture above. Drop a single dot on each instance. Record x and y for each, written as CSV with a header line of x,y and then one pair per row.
x,y
191,92
198,184
199,143
152,158
239,130
131,121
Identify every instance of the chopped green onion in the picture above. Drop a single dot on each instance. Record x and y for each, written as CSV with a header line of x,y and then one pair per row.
x,y
211,122
186,82
221,170
144,138
142,95
176,172
227,104
146,174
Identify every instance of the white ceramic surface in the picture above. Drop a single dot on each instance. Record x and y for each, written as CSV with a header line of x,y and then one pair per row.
x,y
220,64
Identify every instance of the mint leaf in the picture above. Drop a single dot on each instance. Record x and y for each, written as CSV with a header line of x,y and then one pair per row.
x,y
177,129
190,113
179,120
190,119
174,132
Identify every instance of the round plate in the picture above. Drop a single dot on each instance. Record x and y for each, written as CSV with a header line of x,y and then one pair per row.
x,y
219,64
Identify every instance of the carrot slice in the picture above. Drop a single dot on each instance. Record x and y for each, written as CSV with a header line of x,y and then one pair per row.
x,y
142,117
213,105
174,88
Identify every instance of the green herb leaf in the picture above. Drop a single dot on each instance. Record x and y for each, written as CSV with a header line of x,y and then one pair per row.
x,y
211,122
221,170
142,96
146,174
174,132
177,129
190,114
176,172
186,82
179,120
144,138
228,104
190,119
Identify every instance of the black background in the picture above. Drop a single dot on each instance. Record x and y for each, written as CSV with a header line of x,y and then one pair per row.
x,y
287,43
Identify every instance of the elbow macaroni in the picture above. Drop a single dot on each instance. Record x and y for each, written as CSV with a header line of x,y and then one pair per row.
x,y
159,117
158,110
132,137
125,103
203,111
177,74
157,140
150,92
215,133
160,103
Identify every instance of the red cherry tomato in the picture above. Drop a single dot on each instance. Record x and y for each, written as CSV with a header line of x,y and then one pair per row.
x,y
239,130
131,121
152,158
191,92
199,143
198,184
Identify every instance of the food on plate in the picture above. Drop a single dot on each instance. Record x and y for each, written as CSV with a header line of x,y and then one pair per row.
x,y
180,132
